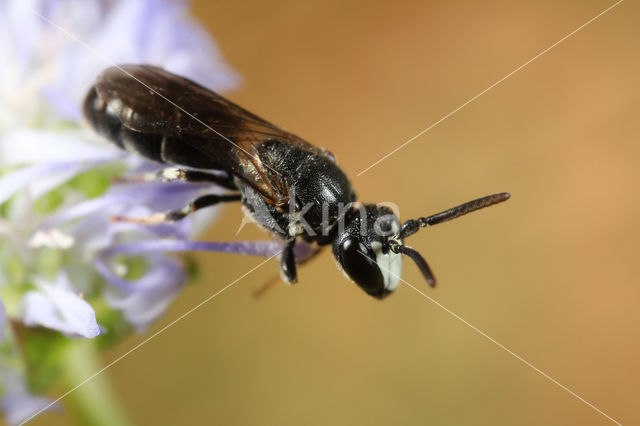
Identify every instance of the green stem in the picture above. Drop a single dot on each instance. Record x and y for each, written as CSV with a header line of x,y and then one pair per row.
x,y
94,402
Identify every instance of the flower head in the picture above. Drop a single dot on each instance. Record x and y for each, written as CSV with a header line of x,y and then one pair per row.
x,y
60,184
52,54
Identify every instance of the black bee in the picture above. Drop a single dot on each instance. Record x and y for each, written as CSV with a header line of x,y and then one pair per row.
x,y
288,186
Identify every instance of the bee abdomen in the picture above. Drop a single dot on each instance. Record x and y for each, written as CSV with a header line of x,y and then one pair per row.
x,y
107,123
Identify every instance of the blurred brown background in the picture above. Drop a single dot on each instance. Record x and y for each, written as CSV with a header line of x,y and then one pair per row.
x,y
552,274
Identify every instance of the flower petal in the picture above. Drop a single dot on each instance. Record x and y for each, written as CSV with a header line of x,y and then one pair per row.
x,y
17,180
59,308
29,146
144,300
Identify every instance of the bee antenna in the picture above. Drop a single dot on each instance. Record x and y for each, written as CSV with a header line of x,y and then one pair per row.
x,y
412,226
420,261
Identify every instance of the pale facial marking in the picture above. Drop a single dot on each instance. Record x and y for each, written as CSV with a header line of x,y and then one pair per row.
x,y
390,265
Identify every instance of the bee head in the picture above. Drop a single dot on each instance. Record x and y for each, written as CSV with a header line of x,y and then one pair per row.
x,y
369,249
363,249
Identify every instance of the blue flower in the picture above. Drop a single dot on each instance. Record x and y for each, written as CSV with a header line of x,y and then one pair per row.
x,y
45,75
58,307
61,255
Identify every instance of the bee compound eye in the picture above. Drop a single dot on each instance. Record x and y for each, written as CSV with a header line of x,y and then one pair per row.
x,y
360,264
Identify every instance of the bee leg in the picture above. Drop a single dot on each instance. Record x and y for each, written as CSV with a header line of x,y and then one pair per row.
x,y
268,285
174,215
288,263
173,173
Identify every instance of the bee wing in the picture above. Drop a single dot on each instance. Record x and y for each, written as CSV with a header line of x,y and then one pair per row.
x,y
148,99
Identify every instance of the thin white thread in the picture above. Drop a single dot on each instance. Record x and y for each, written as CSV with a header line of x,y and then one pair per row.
x,y
501,346
489,88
